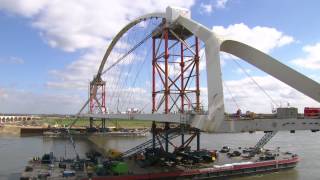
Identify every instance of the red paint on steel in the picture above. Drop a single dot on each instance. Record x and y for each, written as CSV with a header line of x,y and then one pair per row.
x,y
199,171
182,92
311,112
97,96
153,75
166,71
197,60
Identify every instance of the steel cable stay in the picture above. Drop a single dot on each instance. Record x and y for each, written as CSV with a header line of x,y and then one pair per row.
x,y
125,83
115,72
127,75
126,54
137,75
118,81
122,85
255,82
126,99
73,122
231,95
119,77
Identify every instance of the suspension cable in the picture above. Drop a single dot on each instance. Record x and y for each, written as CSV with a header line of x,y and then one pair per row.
x,y
232,97
126,99
121,73
129,52
265,92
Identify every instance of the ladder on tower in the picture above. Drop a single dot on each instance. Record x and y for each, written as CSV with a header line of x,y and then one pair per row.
x,y
265,139
148,144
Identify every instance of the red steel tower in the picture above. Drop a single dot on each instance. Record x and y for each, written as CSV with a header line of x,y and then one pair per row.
x,y
175,89
97,96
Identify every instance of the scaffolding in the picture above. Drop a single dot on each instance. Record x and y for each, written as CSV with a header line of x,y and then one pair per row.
x,y
170,84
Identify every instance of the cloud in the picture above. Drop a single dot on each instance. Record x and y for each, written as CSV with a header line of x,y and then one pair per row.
x,y
78,74
27,8
84,26
260,37
206,8
73,24
242,71
20,101
249,97
312,58
11,60
221,3
91,30
210,7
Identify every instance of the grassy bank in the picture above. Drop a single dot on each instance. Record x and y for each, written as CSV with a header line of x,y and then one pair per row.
x,y
113,123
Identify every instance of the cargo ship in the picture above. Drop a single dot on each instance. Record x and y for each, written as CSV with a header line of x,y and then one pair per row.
x,y
158,164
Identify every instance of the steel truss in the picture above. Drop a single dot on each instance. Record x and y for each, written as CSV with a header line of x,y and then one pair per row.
x,y
97,97
175,85
162,137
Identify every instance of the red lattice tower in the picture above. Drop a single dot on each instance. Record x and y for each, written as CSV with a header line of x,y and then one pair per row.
x,y
97,96
179,91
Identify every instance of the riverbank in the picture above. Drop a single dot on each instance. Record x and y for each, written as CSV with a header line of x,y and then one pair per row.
x,y
123,123
45,124
10,130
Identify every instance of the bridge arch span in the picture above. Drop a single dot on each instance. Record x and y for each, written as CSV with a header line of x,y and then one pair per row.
x,y
213,46
273,67
122,32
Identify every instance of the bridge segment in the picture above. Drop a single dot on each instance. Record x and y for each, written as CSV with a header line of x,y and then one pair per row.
x,y
228,125
215,120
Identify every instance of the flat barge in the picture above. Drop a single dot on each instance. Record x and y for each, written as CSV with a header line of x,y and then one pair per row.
x,y
84,133
226,163
232,170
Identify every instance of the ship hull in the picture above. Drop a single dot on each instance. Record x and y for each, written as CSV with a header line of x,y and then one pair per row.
x,y
214,172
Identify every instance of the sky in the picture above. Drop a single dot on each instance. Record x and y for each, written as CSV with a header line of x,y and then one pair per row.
x,y
50,49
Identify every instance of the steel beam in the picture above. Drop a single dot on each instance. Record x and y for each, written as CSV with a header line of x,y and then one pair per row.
x,y
228,125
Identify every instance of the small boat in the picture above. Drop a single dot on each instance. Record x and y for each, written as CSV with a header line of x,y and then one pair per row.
x,y
51,133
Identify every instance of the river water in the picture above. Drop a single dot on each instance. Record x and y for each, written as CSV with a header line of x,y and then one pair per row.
x,y
15,151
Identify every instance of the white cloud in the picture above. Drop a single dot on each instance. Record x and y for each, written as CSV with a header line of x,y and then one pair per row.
x,y
221,3
20,101
260,37
250,97
11,60
74,24
27,8
312,58
210,7
242,71
84,25
247,95
206,8
78,74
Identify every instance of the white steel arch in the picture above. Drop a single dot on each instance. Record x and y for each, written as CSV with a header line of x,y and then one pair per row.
x,y
114,42
213,45
266,63
273,67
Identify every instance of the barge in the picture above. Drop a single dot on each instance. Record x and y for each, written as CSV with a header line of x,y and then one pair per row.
x,y
84,133
156,164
